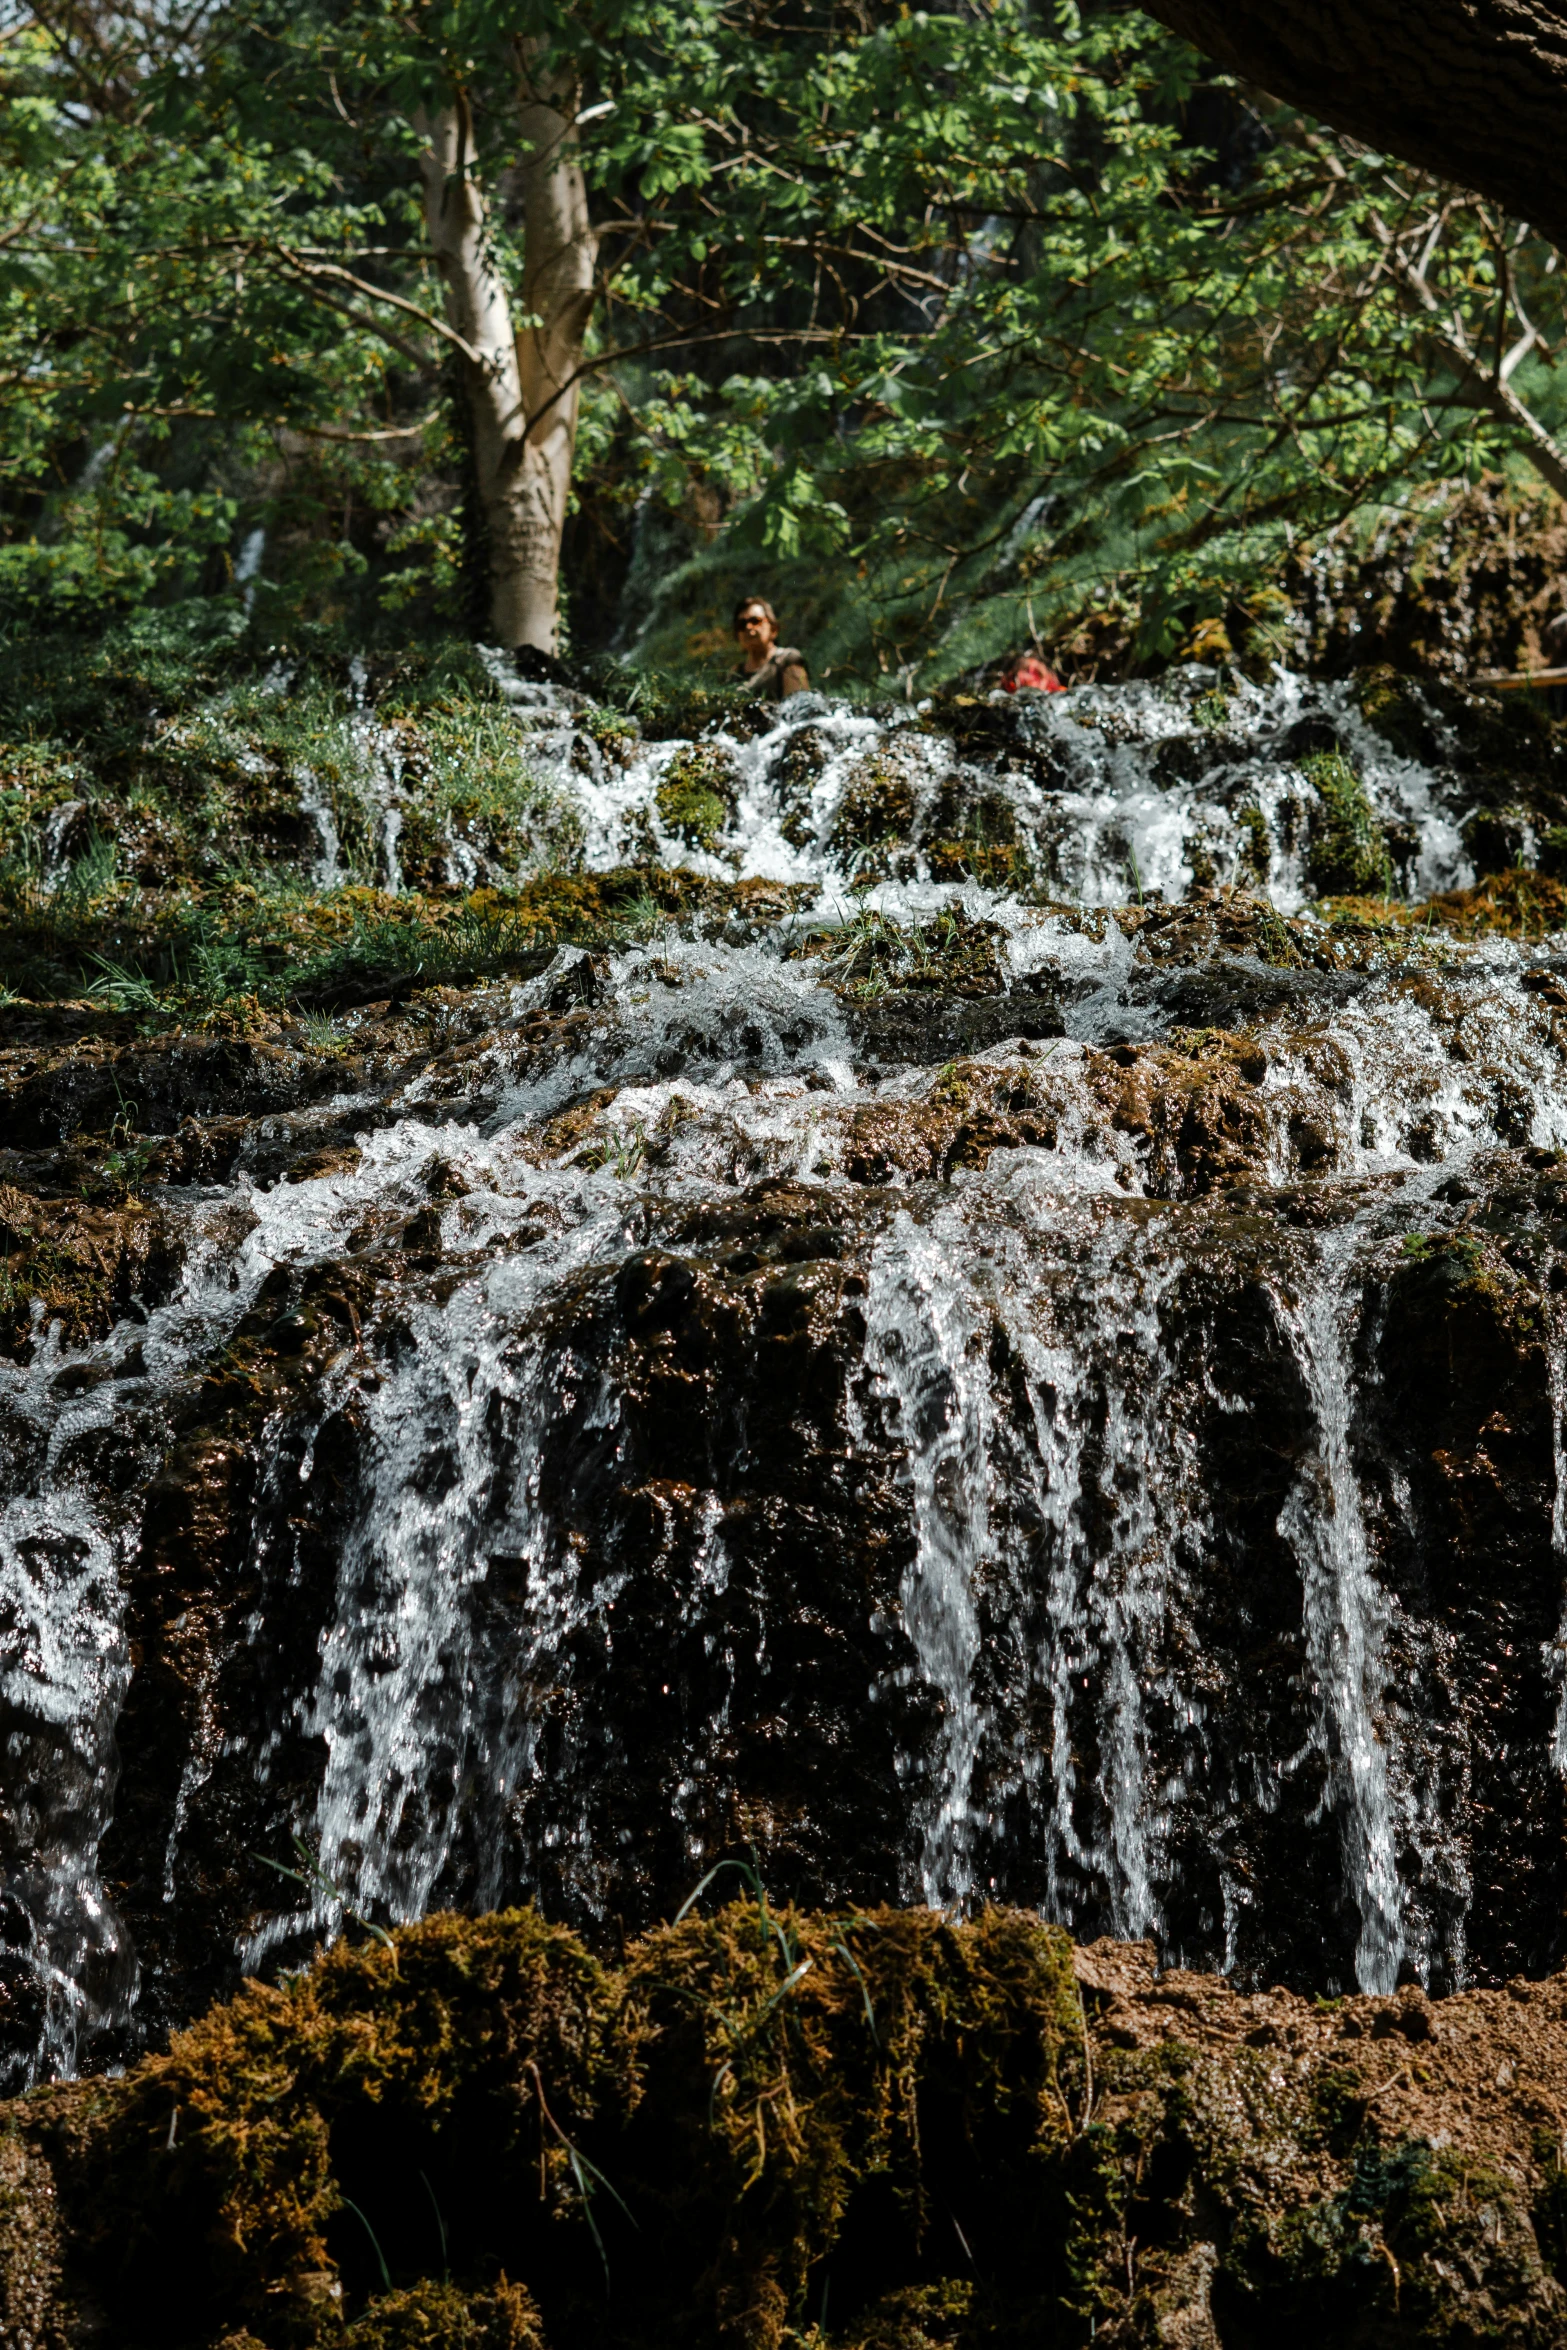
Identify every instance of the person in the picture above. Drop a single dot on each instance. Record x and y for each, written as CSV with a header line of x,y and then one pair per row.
x,y
1031,671
768,668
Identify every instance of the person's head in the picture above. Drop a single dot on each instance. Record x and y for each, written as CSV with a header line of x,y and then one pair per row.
x,y
756,624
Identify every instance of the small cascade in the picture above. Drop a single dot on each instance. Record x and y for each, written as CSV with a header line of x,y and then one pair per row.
x,y
63,1676
316,803
924,1348
1345,1618
1556,1357
1102,793
380,763
1113,1510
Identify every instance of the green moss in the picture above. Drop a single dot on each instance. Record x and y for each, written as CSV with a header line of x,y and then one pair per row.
x,y
875,811
697,794
918,2317
1347,851
437,2317
484,2101
1383,2251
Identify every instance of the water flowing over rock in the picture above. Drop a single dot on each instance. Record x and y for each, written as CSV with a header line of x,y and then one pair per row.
x,y
976,1391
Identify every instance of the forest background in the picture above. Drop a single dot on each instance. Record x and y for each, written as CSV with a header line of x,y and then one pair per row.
x,y
956,330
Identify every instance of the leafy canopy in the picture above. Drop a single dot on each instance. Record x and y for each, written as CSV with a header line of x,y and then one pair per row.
x,y
960,310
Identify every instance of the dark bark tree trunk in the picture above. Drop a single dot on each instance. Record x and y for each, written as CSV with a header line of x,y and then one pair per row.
x,y
1474,90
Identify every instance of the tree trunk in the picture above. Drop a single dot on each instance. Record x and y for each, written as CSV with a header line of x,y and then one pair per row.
x,y
522,398
1473,90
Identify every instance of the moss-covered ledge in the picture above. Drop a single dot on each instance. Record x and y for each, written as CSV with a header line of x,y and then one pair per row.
x,y
879,2130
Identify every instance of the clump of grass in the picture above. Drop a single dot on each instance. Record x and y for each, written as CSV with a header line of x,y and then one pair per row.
x,y
872,955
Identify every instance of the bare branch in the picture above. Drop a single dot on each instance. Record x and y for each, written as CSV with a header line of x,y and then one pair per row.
x,y
326,269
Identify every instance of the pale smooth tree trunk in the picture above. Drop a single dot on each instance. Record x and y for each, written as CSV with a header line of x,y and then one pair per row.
x,y
521,384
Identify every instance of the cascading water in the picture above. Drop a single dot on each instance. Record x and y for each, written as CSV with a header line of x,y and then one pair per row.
x,y
951,1435
1343,1611
924,1349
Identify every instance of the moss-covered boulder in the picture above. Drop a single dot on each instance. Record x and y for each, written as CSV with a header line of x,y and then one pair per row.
x,y
875,813
833,2131
697,794
1347,852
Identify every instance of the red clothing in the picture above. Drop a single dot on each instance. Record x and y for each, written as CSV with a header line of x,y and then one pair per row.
x,y
1032,671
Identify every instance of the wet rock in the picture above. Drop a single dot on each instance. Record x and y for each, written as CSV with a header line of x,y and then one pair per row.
x,y
77,1269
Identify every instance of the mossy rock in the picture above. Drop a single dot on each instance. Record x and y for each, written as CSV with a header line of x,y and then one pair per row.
x,y
994,865
437,2317
1521,904
965,809
697,794
617,737
1393,704
750,2085
879,2130
1495,838
953,955
876,807
1255,861
1347,852
793,778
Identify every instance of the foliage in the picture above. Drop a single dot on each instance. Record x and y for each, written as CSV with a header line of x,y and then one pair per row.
x,y
943,316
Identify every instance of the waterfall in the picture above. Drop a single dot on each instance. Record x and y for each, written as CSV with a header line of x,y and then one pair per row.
x,y
924,1347
1344,1617
749,1396
64,1667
